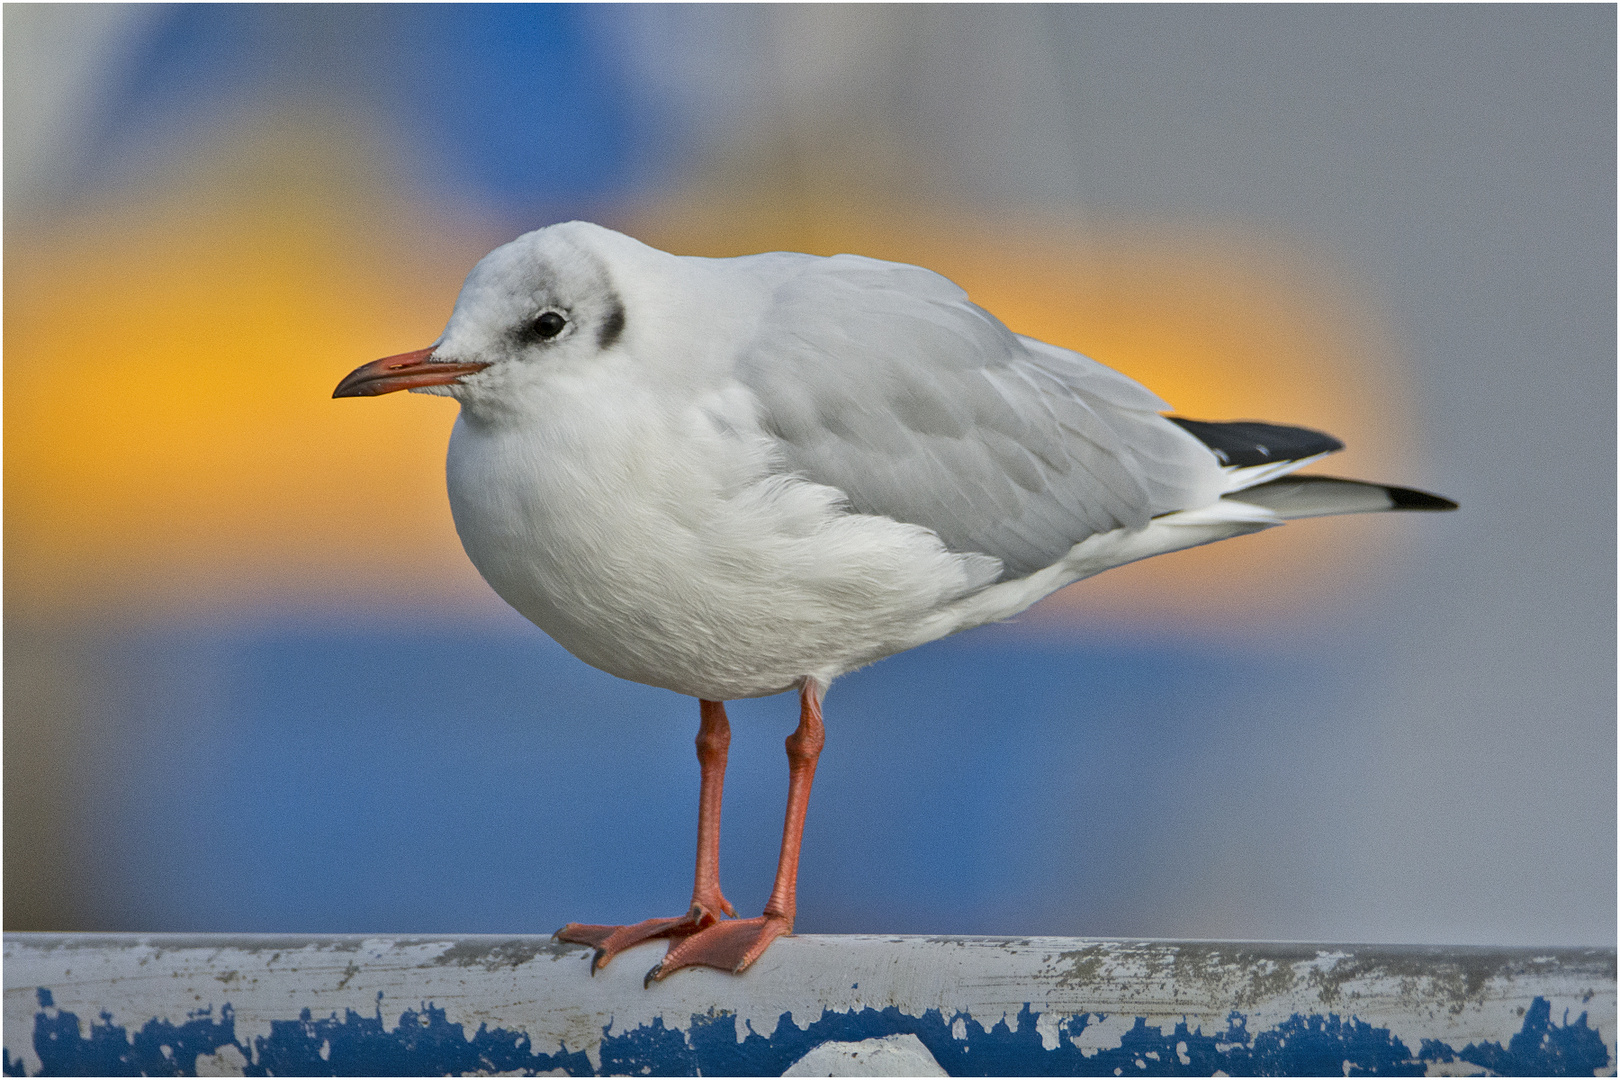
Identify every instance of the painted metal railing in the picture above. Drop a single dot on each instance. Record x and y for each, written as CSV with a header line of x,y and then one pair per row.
x,y
158,1004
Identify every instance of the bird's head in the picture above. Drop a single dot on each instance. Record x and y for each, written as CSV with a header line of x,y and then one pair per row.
x,y
545,300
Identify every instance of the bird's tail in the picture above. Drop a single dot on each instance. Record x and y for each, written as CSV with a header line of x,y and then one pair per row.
x,y
1258,459
1259,495
1319,496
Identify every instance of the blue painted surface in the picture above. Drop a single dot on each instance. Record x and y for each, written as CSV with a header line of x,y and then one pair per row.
x,y
425,1042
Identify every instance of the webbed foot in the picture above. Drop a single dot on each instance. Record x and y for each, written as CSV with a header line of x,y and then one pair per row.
x,y
730,946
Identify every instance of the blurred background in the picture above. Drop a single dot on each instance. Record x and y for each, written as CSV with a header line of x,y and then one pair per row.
x,y
252,683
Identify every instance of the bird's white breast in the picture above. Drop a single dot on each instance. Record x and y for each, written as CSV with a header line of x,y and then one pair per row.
x,y
644,529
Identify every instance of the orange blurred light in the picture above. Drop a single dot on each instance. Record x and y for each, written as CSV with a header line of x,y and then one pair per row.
x,y
171,442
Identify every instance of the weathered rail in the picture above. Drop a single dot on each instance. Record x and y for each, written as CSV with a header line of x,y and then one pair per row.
x,y
814,1005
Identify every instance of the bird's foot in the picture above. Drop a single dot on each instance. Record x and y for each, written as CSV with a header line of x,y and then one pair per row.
x,y
609,941
730,946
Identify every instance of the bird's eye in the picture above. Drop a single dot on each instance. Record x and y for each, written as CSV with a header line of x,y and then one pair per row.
x,y
548,324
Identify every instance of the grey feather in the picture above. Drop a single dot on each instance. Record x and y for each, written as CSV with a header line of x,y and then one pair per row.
x,y
884,381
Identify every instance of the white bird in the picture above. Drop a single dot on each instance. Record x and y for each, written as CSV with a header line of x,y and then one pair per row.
x,y
737,477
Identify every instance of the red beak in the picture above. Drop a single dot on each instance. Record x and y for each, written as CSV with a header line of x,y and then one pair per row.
x,y
403,372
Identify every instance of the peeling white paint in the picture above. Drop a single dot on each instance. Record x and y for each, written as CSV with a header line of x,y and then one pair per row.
x,y
1048,1026
22,1047
893,1055
227,1061
547,991
1103,1032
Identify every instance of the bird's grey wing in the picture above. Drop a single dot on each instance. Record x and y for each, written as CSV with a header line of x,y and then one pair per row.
x,y
884,381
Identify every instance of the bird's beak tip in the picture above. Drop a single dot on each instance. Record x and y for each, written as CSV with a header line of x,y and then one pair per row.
x,y
406,371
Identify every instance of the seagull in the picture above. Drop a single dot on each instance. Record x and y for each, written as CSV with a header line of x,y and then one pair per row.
x,y
738,477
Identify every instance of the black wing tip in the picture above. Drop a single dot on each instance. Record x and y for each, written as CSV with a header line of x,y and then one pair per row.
x,y
1245,443
1412,499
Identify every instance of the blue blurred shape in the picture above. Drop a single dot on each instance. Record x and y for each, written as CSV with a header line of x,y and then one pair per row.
x,y
522,95
509,103
472,780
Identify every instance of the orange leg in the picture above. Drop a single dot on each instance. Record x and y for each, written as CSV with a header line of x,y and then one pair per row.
x,y
732,946
713,741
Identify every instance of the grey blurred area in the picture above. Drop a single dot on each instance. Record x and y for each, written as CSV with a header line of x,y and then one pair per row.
x,y
1460,161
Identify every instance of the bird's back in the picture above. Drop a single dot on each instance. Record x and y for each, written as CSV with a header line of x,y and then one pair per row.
x,y
884,381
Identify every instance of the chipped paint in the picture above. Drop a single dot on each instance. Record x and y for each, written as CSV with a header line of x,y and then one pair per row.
x,y
892,1055
231,1005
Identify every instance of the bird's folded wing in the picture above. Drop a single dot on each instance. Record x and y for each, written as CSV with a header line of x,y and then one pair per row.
x,y
884,381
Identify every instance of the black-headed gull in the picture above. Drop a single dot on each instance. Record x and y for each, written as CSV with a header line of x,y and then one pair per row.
x,y
736,477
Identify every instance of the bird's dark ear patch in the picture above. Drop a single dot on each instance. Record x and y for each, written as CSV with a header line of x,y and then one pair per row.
x,y
612,326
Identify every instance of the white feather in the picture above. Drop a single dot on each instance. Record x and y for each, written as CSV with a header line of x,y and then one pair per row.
x,y
779,467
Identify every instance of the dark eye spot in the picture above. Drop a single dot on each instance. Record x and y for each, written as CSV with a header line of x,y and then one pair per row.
x,y
546,325
612,326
